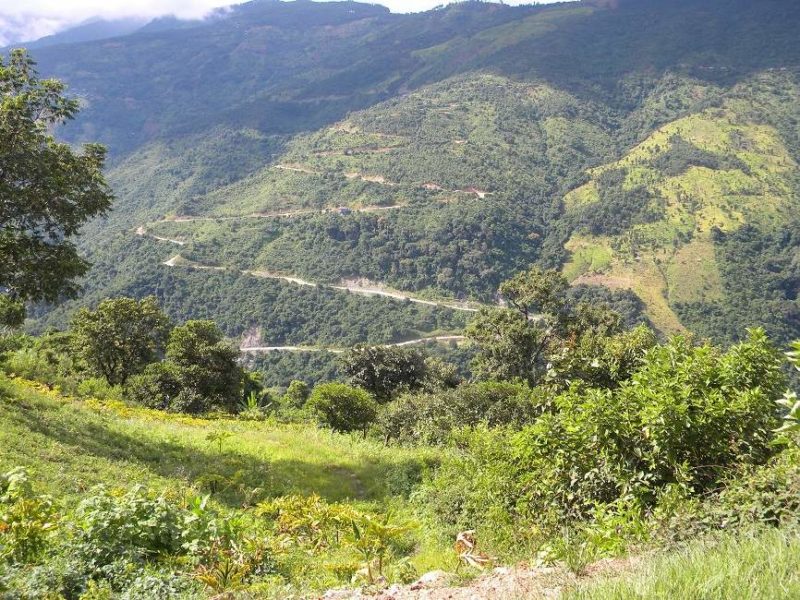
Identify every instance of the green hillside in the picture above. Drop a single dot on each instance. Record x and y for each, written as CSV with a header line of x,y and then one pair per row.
x,y
478,302
638,145
76,447
682,189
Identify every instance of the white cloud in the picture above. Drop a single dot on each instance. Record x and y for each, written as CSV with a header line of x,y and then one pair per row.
x,y
25,20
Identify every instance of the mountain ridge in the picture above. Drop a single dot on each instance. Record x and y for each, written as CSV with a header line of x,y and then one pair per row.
x,y
484,131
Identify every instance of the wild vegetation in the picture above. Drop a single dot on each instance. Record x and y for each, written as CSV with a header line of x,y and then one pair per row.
x,y
637,164
577,214
580,440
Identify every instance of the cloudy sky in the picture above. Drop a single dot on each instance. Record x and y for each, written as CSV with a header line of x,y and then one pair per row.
x,y
26,20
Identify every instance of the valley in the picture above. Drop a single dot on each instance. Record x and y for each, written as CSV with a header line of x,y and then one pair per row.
x,y
317,300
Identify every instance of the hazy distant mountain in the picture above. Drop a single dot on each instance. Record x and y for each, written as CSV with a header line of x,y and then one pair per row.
x,y
94,29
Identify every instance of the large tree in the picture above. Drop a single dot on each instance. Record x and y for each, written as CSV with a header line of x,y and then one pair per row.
x,y
47,190
545,333
207,365
121,337
384,371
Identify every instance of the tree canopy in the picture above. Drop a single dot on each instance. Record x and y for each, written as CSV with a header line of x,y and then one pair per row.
x,y
121,337
47,190
543,327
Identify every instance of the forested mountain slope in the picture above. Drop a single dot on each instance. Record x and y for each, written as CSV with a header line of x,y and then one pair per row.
x,y
649,147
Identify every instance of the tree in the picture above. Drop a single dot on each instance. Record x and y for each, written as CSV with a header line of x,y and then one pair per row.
x,y
200,373
541,326
342,407
47,191
158,386
600,360
121,337
207,366
537,292
789,403
296,394
383,371
511,345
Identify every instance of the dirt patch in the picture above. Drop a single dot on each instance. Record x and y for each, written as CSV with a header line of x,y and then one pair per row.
x,y
251,337
610,281
297,169
503,583
379,179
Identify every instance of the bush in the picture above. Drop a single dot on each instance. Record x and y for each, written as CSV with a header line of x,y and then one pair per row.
x,y
296,395
765,495
96,387
157,387
343,408
385,371
134,542
27,520
200,373
135,526
685,420
47,359
431,418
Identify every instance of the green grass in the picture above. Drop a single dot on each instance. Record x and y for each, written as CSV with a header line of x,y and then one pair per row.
x,y
71,445
764,565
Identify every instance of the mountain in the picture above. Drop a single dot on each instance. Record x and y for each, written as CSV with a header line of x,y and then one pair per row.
x,y
91,30
648,149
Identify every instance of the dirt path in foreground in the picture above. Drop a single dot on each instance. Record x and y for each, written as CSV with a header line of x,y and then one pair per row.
x,y
521,582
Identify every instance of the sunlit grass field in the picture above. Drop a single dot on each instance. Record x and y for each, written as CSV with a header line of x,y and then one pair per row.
x,y
69,446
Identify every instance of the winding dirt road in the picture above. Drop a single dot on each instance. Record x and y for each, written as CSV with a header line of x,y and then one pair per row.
x,y
299,349
301,212
353,288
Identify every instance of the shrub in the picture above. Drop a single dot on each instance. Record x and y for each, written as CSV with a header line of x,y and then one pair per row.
x,y
157,387
134,526
764,495
296,395
430,418
686,419
316,526
384,371
47,359
27,520
342,407
96,387
200,373
789,402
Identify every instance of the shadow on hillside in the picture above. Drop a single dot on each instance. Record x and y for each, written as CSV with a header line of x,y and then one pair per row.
x,y
230,476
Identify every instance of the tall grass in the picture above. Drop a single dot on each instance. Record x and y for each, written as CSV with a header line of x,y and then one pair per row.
x,y
736,567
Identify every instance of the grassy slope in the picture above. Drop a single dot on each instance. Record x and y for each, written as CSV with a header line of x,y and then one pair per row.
x,y
73,445
765,565
70,446
473,131
672,259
